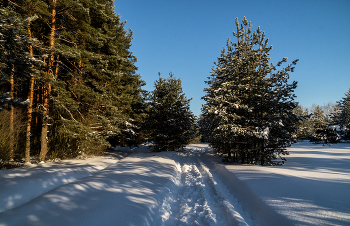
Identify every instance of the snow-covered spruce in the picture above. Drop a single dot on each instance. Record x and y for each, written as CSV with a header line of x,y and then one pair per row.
x,y
249,103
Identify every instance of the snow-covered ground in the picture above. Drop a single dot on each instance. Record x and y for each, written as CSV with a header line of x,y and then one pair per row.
x,y
312,188
191,187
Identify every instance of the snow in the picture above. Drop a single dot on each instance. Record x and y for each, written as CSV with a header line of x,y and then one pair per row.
x,y
312,188
189,187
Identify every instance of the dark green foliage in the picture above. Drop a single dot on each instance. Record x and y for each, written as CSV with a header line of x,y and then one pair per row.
x,y
323,133
14,56
249,109
341,117
304,126
95,92
171,123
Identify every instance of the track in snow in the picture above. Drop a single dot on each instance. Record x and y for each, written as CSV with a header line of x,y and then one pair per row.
x,y
198,200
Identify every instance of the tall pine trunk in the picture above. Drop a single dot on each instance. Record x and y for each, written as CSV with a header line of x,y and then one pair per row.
x,y
12,89
30,106
44,129
29,118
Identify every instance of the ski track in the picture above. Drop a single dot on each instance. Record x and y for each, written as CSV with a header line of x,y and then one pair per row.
x,y
201,198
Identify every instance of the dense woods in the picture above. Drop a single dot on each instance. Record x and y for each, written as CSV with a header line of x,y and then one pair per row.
x,y
69,87
68,75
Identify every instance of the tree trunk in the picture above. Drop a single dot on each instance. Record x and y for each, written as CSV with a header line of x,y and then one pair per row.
x,y
30,106
44,129
52,37
11,140
29,119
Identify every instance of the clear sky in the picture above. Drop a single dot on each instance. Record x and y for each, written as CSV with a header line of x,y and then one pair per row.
x,y
186,37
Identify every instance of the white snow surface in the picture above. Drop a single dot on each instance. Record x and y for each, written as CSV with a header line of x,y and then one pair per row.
x,y
189,187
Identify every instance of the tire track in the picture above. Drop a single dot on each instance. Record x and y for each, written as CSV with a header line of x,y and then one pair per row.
x,y
197,202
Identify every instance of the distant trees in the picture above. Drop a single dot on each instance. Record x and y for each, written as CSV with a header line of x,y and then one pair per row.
x,y
249,103
171,124
320,124
324,124
304,125
341,117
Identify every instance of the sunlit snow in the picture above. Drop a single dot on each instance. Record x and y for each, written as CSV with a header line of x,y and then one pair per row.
x,y
189,187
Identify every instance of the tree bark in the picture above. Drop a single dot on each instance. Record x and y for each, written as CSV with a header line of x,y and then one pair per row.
x,y
30,106
52,36
11,140
44,129
29,119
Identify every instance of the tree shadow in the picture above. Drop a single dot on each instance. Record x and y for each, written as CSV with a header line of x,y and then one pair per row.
x,y
122,194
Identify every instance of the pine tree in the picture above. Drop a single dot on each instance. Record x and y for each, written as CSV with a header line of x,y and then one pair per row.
x,y
16,62
88,93
319,119
341,117
305,126
171,122
250,101
322,131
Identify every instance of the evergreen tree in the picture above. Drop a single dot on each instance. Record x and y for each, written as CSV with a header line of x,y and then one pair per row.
x,y
88,91
206,127
305,126
319,119
171,123
341,117
322,130
16,64
250,100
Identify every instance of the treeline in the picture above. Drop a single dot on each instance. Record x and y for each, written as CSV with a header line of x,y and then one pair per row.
x,y
69,87
325,124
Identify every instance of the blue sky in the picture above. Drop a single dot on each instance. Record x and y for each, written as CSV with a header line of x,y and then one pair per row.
x,y
186,37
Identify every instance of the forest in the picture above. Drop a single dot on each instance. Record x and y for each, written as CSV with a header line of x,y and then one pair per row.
x,y
69,87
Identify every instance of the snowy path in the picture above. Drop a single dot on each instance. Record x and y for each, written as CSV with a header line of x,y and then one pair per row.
x,y
201,199
197,202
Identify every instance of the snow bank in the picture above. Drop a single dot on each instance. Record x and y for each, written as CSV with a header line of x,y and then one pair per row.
x,y
19,186
311,188
141,148
127,193
200,147
245,200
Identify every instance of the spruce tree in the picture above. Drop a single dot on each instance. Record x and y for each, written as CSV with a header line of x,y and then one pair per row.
x,y
250,100
344,110
340,118
322,130
171,123
304,127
